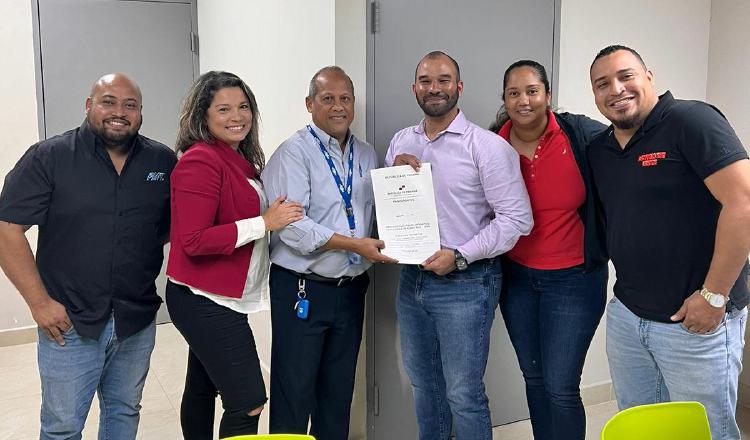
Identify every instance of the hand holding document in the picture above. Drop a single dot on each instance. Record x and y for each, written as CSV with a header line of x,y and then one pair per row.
x,y
406,213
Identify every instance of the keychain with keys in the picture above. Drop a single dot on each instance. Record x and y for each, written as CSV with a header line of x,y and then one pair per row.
x,y
302,306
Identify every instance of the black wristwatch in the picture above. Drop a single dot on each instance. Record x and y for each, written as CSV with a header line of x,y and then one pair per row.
x,y
461,263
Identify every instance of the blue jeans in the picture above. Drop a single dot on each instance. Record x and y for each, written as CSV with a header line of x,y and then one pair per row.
x,y
654,362
71,374
551,317
445,327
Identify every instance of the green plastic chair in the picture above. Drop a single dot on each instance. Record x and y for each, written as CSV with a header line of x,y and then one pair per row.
x,y
660,421
272,437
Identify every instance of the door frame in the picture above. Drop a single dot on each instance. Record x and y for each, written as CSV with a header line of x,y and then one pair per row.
x,y
371,22
39,60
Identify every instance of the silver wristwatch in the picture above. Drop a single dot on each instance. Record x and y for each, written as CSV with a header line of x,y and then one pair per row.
x,y
461,263
715,299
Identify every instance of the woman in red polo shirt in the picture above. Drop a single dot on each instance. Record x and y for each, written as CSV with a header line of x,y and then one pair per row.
x,y
218,261
554,279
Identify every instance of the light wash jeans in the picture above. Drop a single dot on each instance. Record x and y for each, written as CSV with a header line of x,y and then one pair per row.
x,y
654,362
445,327
71,374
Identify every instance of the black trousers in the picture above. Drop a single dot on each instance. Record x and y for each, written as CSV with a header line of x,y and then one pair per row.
x,y
313,361
222,360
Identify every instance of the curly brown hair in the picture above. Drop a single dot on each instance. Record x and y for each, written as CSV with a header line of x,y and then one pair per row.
x,y
193,116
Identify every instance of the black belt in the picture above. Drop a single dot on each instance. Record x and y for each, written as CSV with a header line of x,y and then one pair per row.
x,y
338,282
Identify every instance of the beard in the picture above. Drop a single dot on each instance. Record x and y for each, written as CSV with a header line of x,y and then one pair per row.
x,y
449,102
629,122
116,140
113,139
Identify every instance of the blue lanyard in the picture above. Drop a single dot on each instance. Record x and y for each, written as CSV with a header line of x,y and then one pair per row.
x,y
346,191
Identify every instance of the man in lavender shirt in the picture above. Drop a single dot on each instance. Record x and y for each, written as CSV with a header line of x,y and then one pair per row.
x,y
447,304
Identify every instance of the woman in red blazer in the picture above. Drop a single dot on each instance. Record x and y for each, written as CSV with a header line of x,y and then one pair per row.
x,y
218,260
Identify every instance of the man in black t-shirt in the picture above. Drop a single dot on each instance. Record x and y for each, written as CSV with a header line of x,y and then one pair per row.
x,y
673,181
100,196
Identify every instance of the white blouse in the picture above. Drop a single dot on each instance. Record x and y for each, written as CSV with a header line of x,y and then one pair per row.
x,y
255,297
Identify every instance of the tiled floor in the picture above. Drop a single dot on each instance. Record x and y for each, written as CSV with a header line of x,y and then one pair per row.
x,y
20,399
20,396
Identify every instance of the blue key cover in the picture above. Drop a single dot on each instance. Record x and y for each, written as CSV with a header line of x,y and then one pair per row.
x,y
302,309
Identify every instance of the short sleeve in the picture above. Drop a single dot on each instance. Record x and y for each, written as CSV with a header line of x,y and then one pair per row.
x,y
28,187
708,142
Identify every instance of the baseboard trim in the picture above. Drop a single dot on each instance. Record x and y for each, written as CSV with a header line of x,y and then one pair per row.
x,y
18,336
603,392
597,393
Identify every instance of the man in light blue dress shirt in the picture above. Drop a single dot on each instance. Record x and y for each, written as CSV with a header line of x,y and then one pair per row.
x,y
318,276
446,305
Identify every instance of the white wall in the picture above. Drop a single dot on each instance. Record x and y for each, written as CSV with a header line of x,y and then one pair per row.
x,y
729,63
286,43
351,55
18,124
729,90
671,35
673,38
275,46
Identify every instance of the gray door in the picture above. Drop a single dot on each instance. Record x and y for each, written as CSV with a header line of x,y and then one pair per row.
x,y
484,36
80,40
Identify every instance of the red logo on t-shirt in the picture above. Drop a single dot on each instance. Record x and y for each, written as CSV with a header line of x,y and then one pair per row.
x,y
651,159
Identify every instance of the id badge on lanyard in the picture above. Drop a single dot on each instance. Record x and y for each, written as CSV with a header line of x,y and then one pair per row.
x,y
354,258
344,190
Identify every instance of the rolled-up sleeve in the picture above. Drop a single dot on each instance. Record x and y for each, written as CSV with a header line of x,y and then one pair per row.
x,y
287,173
249,230
504,189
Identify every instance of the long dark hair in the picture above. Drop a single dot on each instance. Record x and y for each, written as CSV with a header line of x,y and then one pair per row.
x,y
502,115
193,116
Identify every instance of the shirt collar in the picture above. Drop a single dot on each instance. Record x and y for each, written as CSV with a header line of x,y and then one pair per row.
x,y
92,142
458,125
666,100
87,137
552,127
326,138
504,131
658,112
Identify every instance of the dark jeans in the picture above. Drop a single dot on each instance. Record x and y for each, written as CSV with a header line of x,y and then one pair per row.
x,y
313,361
551,316
222,360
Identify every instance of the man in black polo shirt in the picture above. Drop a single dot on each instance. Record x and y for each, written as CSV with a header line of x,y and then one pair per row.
x,y
100,196
674,184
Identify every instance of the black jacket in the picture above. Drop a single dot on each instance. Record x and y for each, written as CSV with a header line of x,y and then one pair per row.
x,y
580,130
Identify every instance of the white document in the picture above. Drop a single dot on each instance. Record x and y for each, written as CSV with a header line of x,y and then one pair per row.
x,y
406,213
